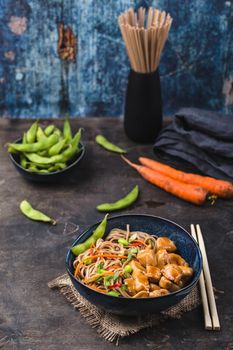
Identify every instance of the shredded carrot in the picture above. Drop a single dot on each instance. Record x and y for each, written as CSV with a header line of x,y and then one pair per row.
x,y
92,286
98,275
113,267
110,256
136,243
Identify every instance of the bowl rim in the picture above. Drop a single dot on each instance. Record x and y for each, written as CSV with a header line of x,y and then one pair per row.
x,y
190,285
79,157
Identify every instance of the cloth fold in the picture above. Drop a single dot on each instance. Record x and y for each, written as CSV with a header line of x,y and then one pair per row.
x,y
202,138
112,327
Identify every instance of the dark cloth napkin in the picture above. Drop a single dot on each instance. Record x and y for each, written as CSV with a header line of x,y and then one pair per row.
x,y
202,138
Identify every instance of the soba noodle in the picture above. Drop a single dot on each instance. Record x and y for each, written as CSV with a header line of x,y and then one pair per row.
x,y
128,264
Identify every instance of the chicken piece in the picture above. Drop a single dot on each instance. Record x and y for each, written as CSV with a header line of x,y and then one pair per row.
x,y
159,293
153,287
176,259
153,273
186,271
141,280
142,294
130,283
147,257
162,258
164,283
137,266
165,243
172,272
139,276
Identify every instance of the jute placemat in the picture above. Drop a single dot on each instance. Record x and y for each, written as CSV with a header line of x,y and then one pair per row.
x,y
112,327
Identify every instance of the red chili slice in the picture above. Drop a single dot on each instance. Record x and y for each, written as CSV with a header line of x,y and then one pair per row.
x,y
116,285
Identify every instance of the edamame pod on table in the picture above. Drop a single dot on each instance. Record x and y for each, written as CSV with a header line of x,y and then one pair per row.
x,y
36,146
49,129
31,133
102,141
67,130
124,202
97,233
34,214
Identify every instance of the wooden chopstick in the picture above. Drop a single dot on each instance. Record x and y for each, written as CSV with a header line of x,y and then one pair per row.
x,y
209,286
207,318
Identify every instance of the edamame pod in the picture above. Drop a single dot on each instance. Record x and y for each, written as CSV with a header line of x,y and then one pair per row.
x,y
102,141
56,149
49,129
67,130
97,233
40,135
31,133
56,167
59,158
23,162
24,140
33,168
129,199
76,139
36,146
34,214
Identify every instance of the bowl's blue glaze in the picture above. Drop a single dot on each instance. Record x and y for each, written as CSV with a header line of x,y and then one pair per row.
x,y
187,248
59,175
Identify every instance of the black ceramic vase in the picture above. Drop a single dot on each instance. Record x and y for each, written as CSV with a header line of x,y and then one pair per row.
x,y
143,107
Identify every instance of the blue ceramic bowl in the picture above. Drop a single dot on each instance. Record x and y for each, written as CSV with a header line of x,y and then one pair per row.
x,y
55,176
186,246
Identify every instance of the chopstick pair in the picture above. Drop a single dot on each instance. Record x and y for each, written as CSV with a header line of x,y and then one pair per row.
x,y
206,287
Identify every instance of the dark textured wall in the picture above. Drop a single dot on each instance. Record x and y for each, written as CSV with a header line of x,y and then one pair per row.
x,y
196,67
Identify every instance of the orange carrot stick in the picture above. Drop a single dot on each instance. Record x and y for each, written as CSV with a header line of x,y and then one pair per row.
x,y
98,275
92,286
92,257
220,188
190,193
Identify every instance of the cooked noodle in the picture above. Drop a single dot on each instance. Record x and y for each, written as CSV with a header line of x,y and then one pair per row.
x,y
114,267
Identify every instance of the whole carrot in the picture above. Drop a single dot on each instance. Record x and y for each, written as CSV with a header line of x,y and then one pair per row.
x,y
190,193
221,188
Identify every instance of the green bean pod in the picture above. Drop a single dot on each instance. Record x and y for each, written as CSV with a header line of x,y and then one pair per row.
x,y
23,162
102,141
40,135
67,130
97,233
34,214
129,199
59,158
49,130
34,169
31,133
57,166
76,139
24,140
56,149
36,146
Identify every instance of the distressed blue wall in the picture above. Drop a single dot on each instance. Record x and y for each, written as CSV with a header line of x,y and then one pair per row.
x,y
196,68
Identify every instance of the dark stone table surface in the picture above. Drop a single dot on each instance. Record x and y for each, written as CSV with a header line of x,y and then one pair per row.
x,y
31,253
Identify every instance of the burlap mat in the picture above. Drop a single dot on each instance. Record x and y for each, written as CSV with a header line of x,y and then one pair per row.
x,y
112,327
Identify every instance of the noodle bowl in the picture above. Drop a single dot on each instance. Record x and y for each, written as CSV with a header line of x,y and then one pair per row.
x,y
133,264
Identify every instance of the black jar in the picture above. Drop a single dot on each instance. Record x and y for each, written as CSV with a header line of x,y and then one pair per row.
x,y
143,107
